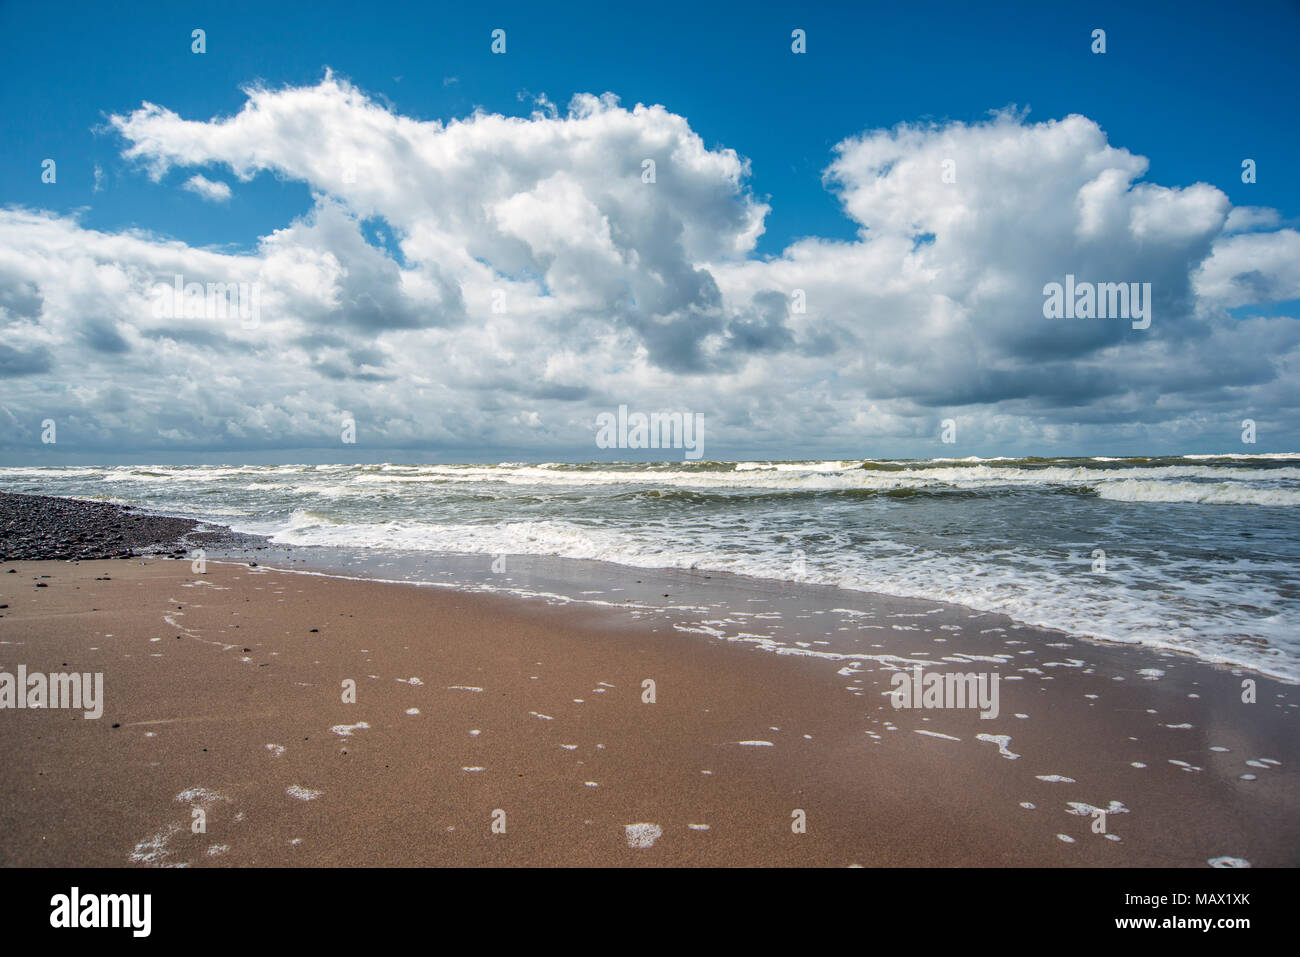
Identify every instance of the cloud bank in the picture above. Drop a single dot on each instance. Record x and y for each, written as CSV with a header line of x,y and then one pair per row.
x,y
485,287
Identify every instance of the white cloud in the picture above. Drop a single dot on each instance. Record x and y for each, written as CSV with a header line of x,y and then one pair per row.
x,y
212,191
1252,268
1244,219
537,280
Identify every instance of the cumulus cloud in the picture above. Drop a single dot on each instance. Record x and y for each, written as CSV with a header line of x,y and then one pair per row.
x,y
491,283
1254,268
212,191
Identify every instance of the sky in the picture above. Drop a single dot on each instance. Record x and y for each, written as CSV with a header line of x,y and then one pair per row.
x,y
454,254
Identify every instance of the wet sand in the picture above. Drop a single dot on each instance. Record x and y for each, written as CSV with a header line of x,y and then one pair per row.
x,y
220,696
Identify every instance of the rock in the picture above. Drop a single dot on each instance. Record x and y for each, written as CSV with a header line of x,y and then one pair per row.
x,y
40,527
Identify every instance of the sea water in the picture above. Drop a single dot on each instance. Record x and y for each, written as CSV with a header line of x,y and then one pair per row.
x,y
1196,553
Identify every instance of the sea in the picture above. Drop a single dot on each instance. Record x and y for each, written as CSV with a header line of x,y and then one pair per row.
x,y
1194,553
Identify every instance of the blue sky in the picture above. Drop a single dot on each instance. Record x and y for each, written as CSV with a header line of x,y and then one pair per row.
x,y
1193,87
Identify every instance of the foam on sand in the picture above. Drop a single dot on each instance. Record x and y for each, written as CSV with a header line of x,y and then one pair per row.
x,y
1081,809
936,734
1002,741
643,835
154,851
345,730
199,797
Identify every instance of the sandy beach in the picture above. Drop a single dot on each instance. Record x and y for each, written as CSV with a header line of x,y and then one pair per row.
x,y
223,692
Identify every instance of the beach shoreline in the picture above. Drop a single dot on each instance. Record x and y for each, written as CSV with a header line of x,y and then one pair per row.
x,y
207,674
60,528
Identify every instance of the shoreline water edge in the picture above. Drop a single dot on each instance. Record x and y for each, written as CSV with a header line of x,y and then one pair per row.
x,y
1193,553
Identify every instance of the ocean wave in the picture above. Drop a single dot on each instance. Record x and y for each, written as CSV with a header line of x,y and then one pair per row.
x,y
1248,456
828,476
835,466
1232,481
1218,493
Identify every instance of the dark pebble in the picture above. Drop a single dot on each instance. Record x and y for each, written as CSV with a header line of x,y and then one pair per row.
x,y
40,527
